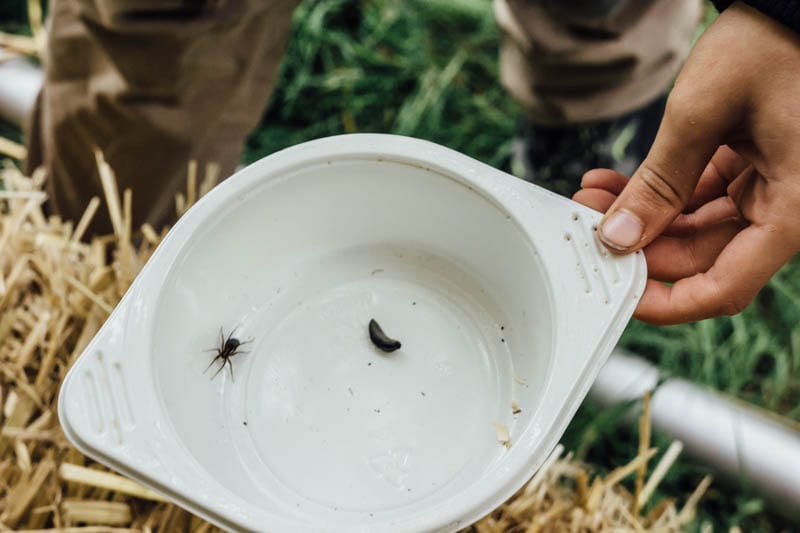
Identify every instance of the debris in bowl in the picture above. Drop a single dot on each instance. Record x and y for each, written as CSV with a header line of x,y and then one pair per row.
x,y
503,437
382,341
227,348
515,409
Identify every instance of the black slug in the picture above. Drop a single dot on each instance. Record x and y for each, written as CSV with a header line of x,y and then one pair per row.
x,y
380,339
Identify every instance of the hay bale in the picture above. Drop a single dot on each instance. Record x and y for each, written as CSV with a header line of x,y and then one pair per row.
x,y
56,290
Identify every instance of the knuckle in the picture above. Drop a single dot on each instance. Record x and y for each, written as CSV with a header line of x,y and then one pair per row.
x,y
660,187
729,301
680,99
774,228
733,306
686,109
732,303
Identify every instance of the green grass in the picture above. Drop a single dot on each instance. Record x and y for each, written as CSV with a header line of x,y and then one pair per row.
x,y
13,17
428,68
422,68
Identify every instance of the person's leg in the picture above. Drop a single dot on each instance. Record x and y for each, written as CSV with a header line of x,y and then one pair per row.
x,y
153,85
592,77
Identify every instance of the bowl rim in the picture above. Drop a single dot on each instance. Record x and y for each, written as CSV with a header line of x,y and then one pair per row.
x,y
516,199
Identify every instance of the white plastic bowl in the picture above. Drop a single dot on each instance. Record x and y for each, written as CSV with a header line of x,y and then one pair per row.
x,y
496,289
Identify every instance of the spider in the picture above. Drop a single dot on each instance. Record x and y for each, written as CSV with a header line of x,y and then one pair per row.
x,y
227,349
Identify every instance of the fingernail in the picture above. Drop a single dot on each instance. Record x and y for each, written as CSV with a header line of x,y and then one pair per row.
x,y
621,231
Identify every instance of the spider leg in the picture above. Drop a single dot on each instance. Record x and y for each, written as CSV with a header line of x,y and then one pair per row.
x,y
229,336
230,367
211,363
219,369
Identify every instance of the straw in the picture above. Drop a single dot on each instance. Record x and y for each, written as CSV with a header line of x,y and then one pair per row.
x,y
106,480
19,43
12,149
660,471
644,444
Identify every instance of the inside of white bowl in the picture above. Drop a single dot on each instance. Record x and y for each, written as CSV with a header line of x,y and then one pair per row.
x,y
312,416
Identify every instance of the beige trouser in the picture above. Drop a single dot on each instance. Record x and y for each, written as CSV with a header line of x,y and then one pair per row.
x,y
565,64
154,83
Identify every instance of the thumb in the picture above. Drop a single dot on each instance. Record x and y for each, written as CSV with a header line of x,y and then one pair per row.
x,y
663,184
702,108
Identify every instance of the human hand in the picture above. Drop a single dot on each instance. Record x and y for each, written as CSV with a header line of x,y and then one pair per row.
x,y
716,203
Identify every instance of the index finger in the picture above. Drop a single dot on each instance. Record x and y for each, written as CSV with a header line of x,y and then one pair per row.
x,y
723,168
743,267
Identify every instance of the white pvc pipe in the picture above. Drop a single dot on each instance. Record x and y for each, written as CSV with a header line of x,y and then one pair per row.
x,y
20,81
746,445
